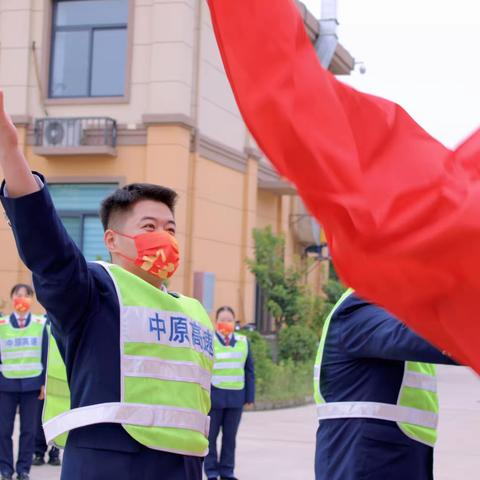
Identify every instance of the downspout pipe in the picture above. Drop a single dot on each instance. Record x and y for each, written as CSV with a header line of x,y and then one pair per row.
x,y
327,40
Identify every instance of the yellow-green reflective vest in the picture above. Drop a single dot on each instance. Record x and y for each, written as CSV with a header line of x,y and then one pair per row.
x,y
21,348
166,346
57,399
229,366
416,411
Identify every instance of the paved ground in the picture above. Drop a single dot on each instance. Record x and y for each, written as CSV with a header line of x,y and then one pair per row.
x,y
280,444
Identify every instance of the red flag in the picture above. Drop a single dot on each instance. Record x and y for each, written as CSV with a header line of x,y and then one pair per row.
x,y
401,211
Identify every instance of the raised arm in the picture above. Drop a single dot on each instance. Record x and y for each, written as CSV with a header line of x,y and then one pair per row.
x,y
371,332
62,280
401,211
15,168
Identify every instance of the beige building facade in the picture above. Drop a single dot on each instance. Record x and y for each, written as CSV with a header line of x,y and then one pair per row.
x,y
110,92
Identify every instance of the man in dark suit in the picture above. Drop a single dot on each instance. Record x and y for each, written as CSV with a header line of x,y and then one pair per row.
x,y
157,404
375,388
23,361
233,387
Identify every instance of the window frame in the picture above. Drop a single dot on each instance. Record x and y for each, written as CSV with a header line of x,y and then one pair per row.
x,y
47,63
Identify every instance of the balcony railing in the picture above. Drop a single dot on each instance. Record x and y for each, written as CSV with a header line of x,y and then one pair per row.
x,y
75,136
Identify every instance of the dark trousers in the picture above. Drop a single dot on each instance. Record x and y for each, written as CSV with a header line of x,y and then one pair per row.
x,y
28,403
227,419
41,446
83,463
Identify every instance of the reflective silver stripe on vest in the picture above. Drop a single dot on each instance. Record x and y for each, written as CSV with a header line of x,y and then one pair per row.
x,y
20,354
137,366
381,411
227,365
128,414
224,355
316,372
218,379
22,367
420,380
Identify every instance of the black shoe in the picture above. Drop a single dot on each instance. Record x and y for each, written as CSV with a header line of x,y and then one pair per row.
x,y
228,478
38,460
23,476
5,477
54,461
212,478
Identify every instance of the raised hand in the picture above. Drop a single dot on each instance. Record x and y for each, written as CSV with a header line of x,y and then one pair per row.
x,y
8,132
18,177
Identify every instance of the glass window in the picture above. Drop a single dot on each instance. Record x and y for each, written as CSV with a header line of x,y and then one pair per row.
x,y
70,64
78,205
74,227
263,319
93,244
89,45
75,13
108,62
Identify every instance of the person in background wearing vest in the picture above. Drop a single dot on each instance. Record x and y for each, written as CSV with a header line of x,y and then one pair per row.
x,y
233,387
375,389
138,359
23,357
41,446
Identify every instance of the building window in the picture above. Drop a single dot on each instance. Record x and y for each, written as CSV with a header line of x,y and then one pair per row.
x,y
89,48
78,205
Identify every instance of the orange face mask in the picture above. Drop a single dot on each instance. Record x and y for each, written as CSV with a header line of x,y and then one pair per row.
x,y
157,253
22,304
225,328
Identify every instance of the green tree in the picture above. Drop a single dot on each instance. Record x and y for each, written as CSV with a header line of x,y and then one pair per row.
x,y
282,286
313,310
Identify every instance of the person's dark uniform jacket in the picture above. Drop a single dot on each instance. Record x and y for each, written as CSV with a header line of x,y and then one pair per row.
x,y
83,309
363,360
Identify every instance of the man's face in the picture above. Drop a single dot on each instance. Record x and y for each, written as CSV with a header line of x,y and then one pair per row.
x,y
145,216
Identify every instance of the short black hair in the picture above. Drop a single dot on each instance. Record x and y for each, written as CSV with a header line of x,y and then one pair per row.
x,y
225,308
19,286
123,199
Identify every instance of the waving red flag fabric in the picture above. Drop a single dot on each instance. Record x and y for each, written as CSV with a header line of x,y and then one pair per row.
x,y
401,211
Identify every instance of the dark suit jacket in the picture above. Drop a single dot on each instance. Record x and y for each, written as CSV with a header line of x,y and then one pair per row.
x,y
364,356
83,309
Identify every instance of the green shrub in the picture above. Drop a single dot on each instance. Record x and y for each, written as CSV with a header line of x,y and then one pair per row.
x,y
286,381
262,358
334,290
298,344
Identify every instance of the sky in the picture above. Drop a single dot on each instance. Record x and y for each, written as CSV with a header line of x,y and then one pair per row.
x,y
422,54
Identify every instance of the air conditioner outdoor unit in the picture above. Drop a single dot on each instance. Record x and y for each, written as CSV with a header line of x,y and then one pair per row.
x,y
62,132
